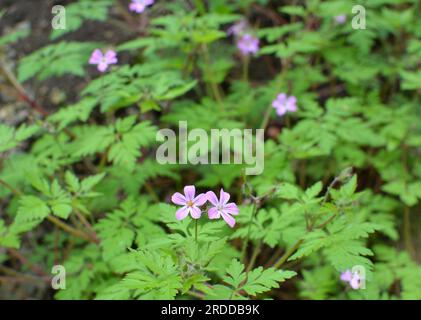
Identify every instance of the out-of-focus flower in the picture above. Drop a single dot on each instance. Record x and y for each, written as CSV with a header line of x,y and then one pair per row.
x,y
354,279
140,5
284,104
237,28
341,19
190,203
221,207
248,44
103,60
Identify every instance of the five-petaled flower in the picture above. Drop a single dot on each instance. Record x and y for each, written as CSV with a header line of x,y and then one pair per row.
x,y
190,203
221,207
284,104
353,278
103,60
140,5
248,44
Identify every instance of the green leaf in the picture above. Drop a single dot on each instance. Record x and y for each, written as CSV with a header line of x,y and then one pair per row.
x,y
31,208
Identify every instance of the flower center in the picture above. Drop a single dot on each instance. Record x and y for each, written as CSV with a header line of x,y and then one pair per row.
x,y
189,203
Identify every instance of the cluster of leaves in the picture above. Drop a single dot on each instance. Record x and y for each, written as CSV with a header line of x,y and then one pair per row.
x,y
86,180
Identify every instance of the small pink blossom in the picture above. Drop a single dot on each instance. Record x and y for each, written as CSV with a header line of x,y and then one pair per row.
x,y
190,203
341,19
284,104
354,279
103,60
222,207
139,6
248,44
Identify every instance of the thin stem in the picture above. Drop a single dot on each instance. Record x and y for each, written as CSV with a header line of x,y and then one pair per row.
x,y
266,117
246,64
54,220
34,268
85,222
195,230
287,254
196,294
71,230
214,86
243,250
254,255
22,93
407,232
16,192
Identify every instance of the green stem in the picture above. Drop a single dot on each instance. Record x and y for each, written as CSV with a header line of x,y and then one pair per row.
x,y
266,117
407,232
195,230
243,250
69,229
16,192
287,254
254,255
246,64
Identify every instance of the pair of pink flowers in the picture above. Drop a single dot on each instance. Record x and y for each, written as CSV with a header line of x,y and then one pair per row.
x,y
190,205
246,42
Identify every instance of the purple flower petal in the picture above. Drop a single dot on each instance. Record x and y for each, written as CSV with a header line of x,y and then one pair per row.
x,y
213,213
189,192
96,57
200,200
223,197
195,212
178,198
102,66
355,282
111,57
282,97
231,208
248,44
228,219
139,6
281,111
182,213
346,276
212,198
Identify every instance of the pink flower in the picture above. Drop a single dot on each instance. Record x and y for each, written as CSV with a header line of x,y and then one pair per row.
x,y
341,19
140,5
284,104
103,60
354,279
189,202
248,44
221,207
